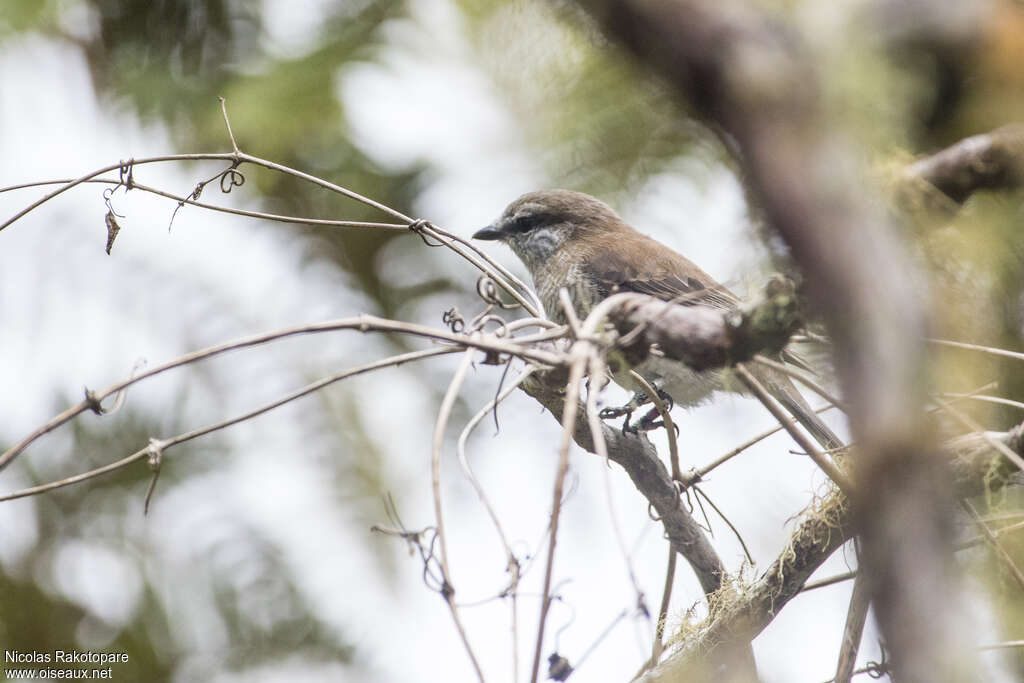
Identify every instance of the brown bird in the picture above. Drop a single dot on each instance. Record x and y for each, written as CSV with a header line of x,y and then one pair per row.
x,y
572,240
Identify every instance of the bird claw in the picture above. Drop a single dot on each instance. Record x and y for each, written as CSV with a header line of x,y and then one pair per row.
x,y
612,413
627,410
647,422
669,402
652,420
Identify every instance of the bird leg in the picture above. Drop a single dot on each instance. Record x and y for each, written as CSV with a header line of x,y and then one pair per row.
x,y
638,399
652,420
648,422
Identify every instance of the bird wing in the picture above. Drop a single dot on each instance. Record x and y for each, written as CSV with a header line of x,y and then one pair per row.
x,y
640,264
645,266
688,291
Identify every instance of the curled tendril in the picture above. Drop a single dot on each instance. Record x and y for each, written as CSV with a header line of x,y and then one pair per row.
x,y
488,291
126,179
230,179
481,321
127,174
877,670
419,227
556,597
433,574
108,195
455,322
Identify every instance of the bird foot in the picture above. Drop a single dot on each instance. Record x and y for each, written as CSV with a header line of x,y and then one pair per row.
x,y
612,413
651,420
620,411
648,422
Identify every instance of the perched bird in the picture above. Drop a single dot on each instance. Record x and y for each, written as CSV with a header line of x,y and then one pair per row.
x,y
572,240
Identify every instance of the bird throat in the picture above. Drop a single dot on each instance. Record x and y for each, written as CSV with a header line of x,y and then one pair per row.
x,y
540,246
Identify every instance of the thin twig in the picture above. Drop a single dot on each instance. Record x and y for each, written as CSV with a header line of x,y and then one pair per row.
x,y
570,312
800,377
975,427
666,598
670,572
443,414
597,369
856,615
735,531
704,471
535,309
1002,646
978,540
988,399
977,347
1003,516
224,111
202,431
666,419
468,469
577,364
832,580
497,394
468,251
1000,551
364,323
486,265
113,167
324,184
398,227
826,465
604,634
156,456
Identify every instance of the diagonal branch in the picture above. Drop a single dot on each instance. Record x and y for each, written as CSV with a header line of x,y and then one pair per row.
x,y
160,446
976,467
639,458
700,337
856,615
362,323
990,161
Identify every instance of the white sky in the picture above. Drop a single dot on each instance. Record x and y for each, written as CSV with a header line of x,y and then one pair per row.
x,y
73,316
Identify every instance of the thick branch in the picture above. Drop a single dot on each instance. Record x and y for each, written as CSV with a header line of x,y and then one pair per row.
x,y
991,161
638,457
703,337
976,467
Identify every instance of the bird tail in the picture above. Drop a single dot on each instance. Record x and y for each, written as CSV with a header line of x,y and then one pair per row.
x,y
785,393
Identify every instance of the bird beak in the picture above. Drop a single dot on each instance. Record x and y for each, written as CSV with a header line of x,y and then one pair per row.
x,y
488,233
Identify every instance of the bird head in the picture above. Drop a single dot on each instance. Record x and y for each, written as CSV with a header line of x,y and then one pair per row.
x,y
540,224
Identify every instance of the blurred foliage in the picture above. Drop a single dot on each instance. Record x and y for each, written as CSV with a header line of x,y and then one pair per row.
x,y
258,613
1006,594
598,122
35,621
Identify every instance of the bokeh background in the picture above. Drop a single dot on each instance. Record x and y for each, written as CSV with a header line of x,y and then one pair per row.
x,y
256,561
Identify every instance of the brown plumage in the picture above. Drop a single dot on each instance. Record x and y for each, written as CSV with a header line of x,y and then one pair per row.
x,y
572,240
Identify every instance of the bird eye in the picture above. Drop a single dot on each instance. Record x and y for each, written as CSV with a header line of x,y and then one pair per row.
x,y
526,222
